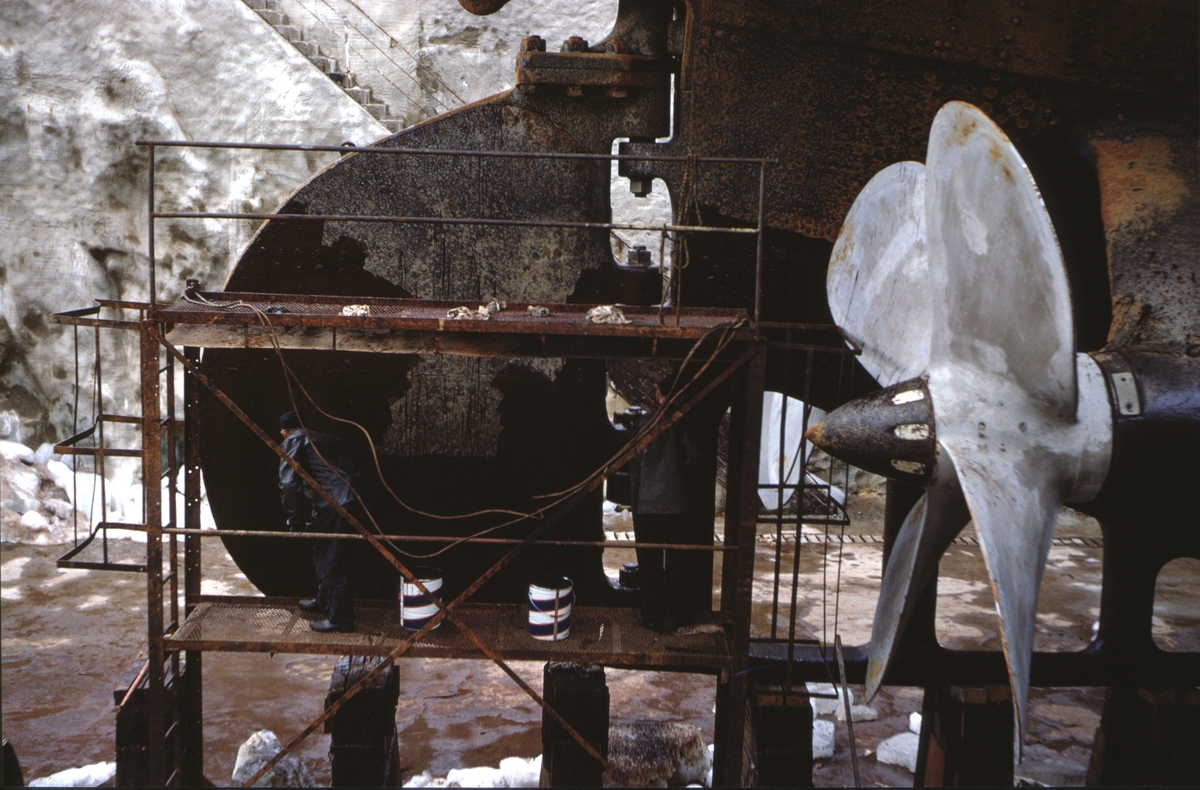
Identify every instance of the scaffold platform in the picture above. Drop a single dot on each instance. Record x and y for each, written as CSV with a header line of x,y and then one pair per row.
x,y
425,326
609,636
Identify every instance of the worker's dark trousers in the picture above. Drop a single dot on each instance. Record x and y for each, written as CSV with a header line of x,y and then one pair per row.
x,y
662,574
331,558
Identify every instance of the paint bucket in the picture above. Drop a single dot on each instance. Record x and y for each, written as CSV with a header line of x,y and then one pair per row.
x,y
416,608
550,602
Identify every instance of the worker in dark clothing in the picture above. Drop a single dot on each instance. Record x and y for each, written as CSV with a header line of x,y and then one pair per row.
x,y
672,491
323,457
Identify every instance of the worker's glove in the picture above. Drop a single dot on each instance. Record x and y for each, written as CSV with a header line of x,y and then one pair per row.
x,y
300,520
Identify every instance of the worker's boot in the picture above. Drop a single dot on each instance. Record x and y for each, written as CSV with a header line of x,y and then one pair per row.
x,y
318,604
312,605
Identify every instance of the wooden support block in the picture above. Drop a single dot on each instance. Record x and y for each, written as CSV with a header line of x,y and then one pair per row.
x,y
579,692
364,751
966,737
780,739
1148,737
133,726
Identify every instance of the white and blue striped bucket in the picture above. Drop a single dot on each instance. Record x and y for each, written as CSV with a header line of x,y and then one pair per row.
x,y
550,602
416,608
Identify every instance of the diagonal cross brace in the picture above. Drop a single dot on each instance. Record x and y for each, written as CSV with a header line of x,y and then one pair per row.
x,y
447,610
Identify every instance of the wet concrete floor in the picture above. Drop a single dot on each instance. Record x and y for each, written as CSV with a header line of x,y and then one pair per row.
x,y
69,635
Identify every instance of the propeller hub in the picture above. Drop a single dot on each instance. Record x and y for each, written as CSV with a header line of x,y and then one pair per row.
x,y
889,432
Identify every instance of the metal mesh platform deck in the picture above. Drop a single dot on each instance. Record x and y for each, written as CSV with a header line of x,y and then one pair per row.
x,y
422,326
601,635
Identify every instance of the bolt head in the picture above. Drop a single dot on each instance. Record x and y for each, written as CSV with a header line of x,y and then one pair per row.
x,y
617,46
533,44
575,44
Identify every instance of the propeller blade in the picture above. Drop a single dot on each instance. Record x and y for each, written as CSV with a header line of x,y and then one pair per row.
x,y
776,462
1016,464
928,531
877,282
995,264
1015,519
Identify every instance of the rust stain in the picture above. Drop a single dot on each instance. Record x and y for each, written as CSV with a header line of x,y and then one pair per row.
x,y
962,132
1137,181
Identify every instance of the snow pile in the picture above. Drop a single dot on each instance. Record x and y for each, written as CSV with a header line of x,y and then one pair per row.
x,y
258,749
92,775
34,508
513,772
656,754
44,502
77,89
83,488
899,750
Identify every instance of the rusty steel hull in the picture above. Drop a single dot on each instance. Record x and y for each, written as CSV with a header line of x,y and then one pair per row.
x,y
834,92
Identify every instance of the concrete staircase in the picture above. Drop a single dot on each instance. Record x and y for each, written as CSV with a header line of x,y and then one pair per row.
x,y
268,10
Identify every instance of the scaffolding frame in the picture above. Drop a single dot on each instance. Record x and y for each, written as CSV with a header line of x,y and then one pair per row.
x,y
412,326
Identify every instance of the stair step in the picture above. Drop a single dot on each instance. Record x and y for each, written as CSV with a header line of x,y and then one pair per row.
x,y
377,110
337,77
290,32
262,5
360,95
309,49
393,124
272,17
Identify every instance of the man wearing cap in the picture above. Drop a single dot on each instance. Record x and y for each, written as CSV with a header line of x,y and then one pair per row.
x,y
324,458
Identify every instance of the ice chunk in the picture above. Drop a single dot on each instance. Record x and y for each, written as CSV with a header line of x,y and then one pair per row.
x,y
92,775
914,722
513,772
14,451
34,520
824,706
258,749
44,454
474,777
822,744
519,772
83,488
899,750
21,487
857,712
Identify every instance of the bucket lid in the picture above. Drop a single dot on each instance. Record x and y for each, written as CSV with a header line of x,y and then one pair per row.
x,y
425,573
553,582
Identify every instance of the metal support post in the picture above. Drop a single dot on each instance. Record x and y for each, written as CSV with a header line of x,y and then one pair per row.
x,y
737,573
192,689
151,469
